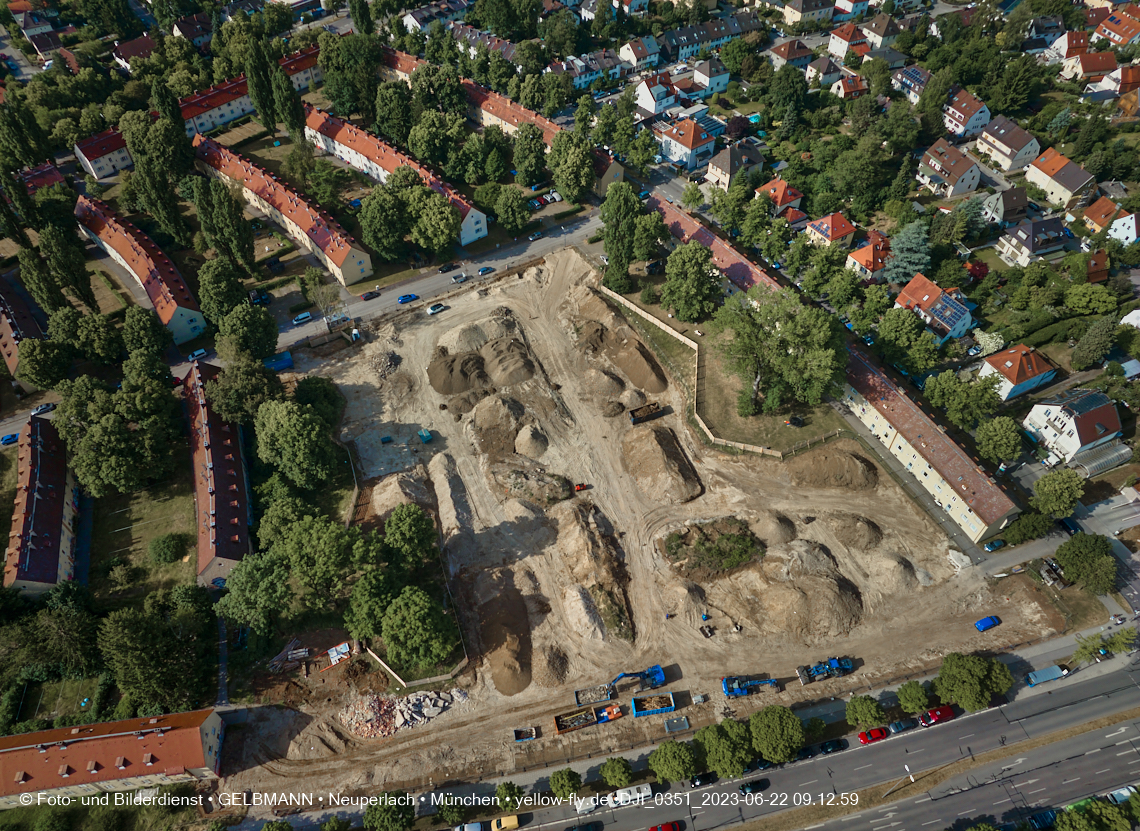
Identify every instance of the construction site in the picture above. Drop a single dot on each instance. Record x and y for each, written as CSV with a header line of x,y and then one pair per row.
x,y
525,385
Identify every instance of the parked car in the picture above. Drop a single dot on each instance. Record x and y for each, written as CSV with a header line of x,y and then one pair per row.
x,y
435,308
903,724
643,195
666,826
987,623
407,298
459,278
702,779
370,295
555,196
807,752
43,408
760,763
936,716
487,269
586,826
260,298
755,786
1121,795
605,260
833,746
993,545
446,267
535,235
974,351
1071,528
303,317
876,734
534,204
197,355
11,438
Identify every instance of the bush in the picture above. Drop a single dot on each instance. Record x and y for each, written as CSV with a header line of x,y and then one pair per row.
x,y
300,307
649,294
169,548
746,403
1028,526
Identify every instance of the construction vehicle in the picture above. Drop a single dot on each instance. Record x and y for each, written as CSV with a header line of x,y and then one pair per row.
x,y
644,413
735,686
650,679
827,668
1040,676
651,705
526,734
586,717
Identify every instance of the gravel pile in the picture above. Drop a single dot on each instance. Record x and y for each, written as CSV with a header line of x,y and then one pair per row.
x,y
376,717
386,364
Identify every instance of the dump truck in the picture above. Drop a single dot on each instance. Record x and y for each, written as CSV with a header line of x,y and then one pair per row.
x,y
735,686
586,717
827,668
644,413
1052,673
651,705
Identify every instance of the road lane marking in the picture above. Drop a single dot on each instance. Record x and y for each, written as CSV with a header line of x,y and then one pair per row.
x,y
966,812
1135,762
932,822
1125,741
1126,752
1117,733
1001,801
1091,752
917,751
1067,781
806,783
848,819
864,766
920,801
1039,790
1099,772
965,737
813,826
1024,784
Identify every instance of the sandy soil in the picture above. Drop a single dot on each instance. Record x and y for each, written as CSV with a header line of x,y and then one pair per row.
x,y
524,386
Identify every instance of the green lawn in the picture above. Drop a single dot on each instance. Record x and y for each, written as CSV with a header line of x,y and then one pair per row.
x,y
990,257
58,698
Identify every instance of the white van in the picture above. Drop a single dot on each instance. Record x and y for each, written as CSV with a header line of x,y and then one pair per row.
x,y
635,793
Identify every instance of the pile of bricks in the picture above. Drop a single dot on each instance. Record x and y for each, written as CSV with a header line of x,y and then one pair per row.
x,y
376,717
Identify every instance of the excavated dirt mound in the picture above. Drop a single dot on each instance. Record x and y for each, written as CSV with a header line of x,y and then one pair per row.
x,y
582,613
612,409
551,669
833,469
656,460
520,478
473,337
507,362
453,374
806,595
773,528
855,531
494,423
505,633
603,384
632,399
411,486
627,354
465,403
531,442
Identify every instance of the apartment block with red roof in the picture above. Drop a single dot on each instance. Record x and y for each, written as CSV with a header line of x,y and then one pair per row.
x,y
964,114
944,311
104,154
869,260
1019,369
686,143
221,482
152,269
831,230
308,225
1119,29
16,325
970,497
41,544
113,756
40,177
947,171
365,152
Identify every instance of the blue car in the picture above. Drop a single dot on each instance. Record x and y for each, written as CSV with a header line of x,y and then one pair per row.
x,y
11,438
987,623
407,298
486,270
993,545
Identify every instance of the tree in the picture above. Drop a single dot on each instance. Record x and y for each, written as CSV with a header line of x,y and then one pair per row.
x,y
259,82
512,210
1088,298
691,288
565,783
1096,343
510,796
616,772
574,177
143,330
166,102
349,66
999,439
903,338
220,291
913,698
241,388
394,112
417,632
1088,559
67,264
451,811
99,340
1057,492
437,88
692,197
641,152
385,223
864,712
672,761
371,596
910,254
966,404
971,681
814,729
361,16
619,214
395,810
1029,526
287,103
529,154
39,281
410,534
249,330
437,224
726,747
295,440
257,590
649,230
777,734
43,363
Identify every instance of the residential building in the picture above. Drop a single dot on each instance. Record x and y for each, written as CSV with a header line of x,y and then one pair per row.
x,y
964,114
1008,145
1019,369
642,53
104,154
1069,45
1119,29
70,60
656,94
196,28
947,171
709,78
686,143
307,225
607,171
47,45
41,544
1129,104
1100,214
869,259
823,71
420,20
969,496
845,38
1047,28
221,482
133,50
1096,268
1006,207
585,69
470,39
681,44
1088,66
32,23
847,9
1074,422
806,11
632,8
782,195
1095,12
794,51
944,311
1031,241
1060,178
833,229
16,325
1121,81
850,86
733,265
1126,229
881,31
41,176
487,107
83,762
732,161
893,58
911,81
146,263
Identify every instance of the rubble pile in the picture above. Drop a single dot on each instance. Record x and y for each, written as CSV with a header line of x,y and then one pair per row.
x,y
377,717
386,364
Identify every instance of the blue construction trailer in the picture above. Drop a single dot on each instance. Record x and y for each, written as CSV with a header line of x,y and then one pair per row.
x,y
651,705
735,686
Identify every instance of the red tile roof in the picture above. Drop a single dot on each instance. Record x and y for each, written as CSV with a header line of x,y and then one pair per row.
x,y
1129,78
791,50
1097,266
850,33
969,482
16,323
508,111
739,270
324,231
1118,29
1093,18
1019,364
919,293
33,762
402,62
962,105
781,193
873,256
852,85
42,176
948,161
150,266
689,134
100,144
1097,63
37,518
1050,162
140,47
1102,212
833,226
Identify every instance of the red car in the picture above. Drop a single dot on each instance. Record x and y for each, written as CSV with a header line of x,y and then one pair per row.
x,y
872,736
938,714
668,826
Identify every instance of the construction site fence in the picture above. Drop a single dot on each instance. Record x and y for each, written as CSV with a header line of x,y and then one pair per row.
x,y
435,679
698,377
